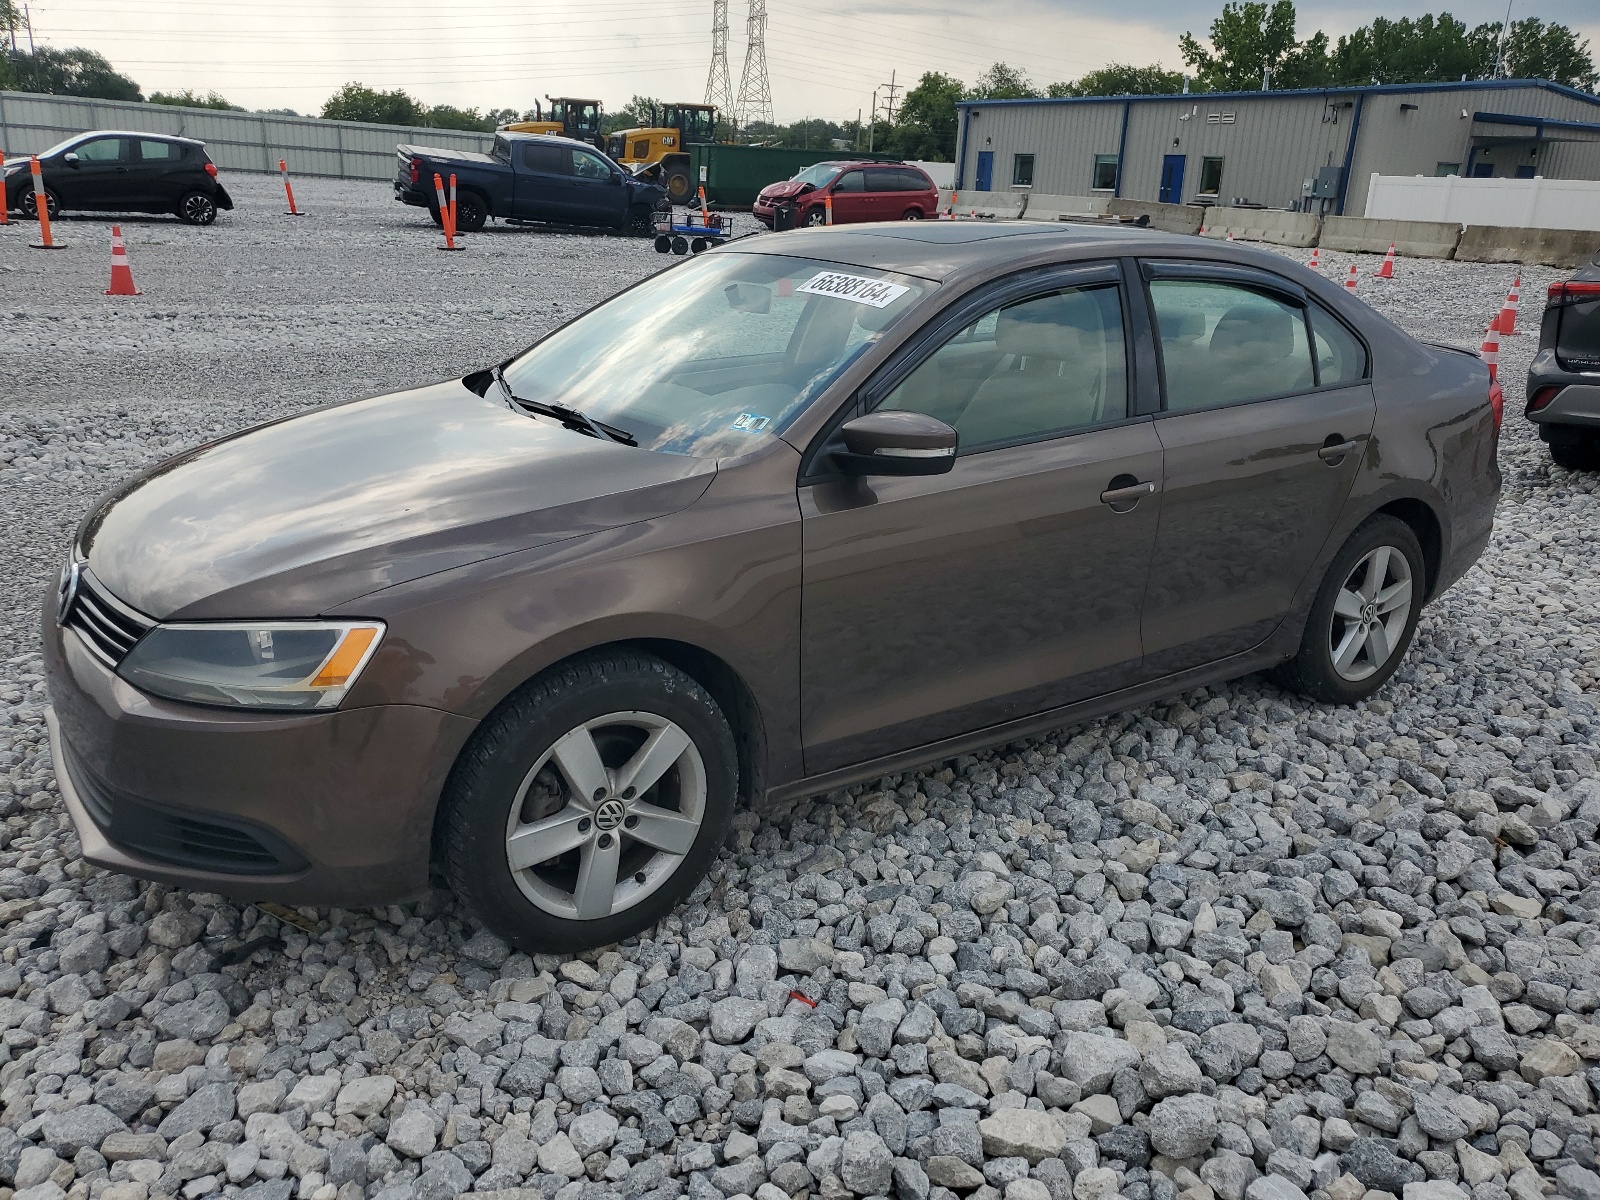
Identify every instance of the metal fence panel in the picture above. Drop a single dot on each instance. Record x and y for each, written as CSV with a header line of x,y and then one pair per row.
x,y
237,141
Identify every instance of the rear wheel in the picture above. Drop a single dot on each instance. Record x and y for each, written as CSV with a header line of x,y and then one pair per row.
x,y
196,208
1575,450
590,804
912,214
471,212
1363,617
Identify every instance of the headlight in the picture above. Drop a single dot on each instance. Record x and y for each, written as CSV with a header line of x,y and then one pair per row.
x,y
270,664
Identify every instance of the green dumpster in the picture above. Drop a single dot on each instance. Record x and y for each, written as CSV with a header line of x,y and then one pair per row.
x,y
734,175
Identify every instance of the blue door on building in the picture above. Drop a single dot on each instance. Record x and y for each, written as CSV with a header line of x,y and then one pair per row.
x,y
1172,179
985,178
1483,170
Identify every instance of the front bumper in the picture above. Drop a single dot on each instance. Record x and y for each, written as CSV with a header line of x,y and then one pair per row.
x,y
316,808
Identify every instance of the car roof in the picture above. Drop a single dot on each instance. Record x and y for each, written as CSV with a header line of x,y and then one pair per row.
x,y
518,135
942,250
144,134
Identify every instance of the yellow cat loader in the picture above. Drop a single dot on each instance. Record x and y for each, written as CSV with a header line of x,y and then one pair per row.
x,y
660,152
569,117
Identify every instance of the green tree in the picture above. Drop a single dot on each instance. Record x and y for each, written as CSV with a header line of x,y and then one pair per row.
x,y
188,98
925,122
448,116
1122,79
638,113
1427,49
1535,50
70,72
1001,82
357,102
1249,40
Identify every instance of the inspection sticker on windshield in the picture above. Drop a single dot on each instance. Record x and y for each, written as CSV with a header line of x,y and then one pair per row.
x,y
858,288
752,422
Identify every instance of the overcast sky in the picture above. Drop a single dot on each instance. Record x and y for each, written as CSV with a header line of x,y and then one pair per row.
x,y
825,56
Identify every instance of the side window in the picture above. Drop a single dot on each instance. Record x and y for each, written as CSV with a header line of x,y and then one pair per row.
x,y
589,166
883,179
544,158
100,150
850,181
502,150
1022,170
1105,173
159,152
1045,365
913,180
1341,358
1222,343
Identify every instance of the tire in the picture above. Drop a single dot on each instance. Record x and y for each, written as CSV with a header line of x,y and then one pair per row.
x,y
680,244
581,725
196,208
817,216
697,245
52,204
472,211
1576,454
663,244
679,187
1387,607
912,214
641,222
438,217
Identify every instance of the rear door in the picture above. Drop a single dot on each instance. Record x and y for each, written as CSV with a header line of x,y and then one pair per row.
x,y
101,177
159,172
542,181
1261,441
883,193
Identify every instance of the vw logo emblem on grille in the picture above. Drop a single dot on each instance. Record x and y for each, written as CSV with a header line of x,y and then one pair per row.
x,y
67,591
609,815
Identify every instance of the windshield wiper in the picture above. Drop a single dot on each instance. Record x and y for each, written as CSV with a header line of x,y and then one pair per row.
x,y
570,417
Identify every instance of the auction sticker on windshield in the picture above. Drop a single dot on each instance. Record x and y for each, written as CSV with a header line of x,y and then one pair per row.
x,y
858,288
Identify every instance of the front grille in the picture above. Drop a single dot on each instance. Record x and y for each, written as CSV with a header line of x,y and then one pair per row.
x,y
181,839
107,626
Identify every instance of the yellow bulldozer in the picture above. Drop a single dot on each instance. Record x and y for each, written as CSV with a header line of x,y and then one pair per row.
x,y
661,150
569,117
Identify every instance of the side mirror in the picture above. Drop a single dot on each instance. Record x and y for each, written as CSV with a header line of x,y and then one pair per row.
x,y
896,443
70,159
615,178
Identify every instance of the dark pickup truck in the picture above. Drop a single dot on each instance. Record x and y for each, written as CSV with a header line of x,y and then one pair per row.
x,y
529,177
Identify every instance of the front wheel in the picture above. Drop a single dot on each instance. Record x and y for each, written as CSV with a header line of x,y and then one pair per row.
x,y
30,204
1364,615
817,216
590,804
679,188
196,208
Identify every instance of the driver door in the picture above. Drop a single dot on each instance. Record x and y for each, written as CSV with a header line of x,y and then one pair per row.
x,y
597,194
939,605
100,180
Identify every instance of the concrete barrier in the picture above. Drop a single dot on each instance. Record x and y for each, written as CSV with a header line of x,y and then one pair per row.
x,y
1045,207
1415,239
1263,225
993,204
1547,247
1169,218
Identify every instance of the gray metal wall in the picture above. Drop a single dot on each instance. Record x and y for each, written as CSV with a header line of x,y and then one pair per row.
x,y
1271,145
237,141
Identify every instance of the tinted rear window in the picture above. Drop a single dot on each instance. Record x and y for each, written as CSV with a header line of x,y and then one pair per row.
x,y
1578,335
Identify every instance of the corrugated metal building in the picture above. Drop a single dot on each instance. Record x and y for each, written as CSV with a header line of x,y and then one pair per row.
x,y
1312,150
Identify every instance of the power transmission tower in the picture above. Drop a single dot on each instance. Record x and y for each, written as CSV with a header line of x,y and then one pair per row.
x,y
755,89
891,88
719,88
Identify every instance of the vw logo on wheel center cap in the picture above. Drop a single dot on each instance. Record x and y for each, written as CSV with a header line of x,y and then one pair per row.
x,y
609,815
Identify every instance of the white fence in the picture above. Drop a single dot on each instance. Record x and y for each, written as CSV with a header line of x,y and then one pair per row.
x,y
1518,203
237,141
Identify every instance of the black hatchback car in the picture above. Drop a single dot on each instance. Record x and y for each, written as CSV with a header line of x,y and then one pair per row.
x,y
1564,377
114,171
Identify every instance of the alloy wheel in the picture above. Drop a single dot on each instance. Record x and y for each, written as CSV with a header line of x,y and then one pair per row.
x,y
198,209
1370,613
606,815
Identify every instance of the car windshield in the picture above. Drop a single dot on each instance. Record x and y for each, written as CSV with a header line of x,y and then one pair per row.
x,y
714,357
60,146
819,174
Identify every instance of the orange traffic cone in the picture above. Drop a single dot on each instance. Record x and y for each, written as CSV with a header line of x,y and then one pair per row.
x,y
1386,271
1350,279
1491,350
121,273
1316,258
955,198
1230,235
827,209
1506,322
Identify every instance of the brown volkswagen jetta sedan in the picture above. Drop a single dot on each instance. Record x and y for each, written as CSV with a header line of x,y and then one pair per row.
x,y
802,511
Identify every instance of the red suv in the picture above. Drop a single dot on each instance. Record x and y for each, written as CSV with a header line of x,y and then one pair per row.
x,y
861,191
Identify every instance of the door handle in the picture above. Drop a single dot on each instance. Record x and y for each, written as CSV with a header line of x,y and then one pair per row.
x,y
1124,495
1333,452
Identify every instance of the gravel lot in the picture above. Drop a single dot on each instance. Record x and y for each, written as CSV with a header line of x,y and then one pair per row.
x,y
1231,945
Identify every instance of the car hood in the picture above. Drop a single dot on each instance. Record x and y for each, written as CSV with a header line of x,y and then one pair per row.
x,y
298,516
784,190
